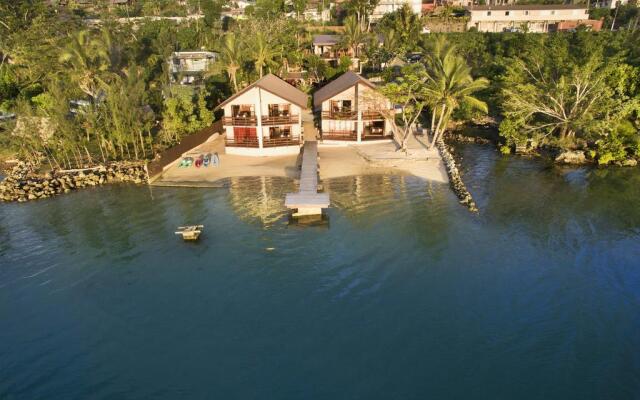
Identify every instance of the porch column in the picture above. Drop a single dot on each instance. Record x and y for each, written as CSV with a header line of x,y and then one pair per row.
x,y
300,132
259,118
359,126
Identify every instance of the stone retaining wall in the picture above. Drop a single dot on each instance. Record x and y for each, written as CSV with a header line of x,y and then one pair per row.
x,y
455,180
21,185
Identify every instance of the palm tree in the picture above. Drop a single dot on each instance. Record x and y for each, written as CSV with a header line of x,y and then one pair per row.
x,y
353,35
450,85
92,60
263,53
85,65
230,57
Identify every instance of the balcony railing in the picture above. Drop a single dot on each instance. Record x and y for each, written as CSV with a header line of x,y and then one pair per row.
x,y
366,115
339,115
280,120
240,121
339,135
266,142
372,115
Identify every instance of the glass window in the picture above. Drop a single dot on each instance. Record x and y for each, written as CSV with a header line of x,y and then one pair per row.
x,y
488,13
506,13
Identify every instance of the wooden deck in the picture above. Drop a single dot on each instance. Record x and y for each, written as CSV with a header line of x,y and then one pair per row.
x,y
307,201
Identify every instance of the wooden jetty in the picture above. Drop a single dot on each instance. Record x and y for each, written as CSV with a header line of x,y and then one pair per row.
x,y
191,232
307,201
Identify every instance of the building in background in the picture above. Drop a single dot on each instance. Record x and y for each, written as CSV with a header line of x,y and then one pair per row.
x,y
609,3
189,67
329,49
529,18
388,6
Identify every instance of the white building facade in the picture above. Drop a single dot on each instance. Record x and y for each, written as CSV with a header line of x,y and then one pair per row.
x,y
529,18
388,6
264,119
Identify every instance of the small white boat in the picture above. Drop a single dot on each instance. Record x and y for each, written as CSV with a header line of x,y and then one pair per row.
x,y
191,232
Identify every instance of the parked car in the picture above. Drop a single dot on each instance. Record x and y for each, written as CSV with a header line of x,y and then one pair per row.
x,y
207,160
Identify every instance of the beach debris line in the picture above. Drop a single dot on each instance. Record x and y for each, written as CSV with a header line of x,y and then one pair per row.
x,y
190,232
455,180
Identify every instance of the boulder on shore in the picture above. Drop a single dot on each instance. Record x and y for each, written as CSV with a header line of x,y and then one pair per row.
x,y
574,157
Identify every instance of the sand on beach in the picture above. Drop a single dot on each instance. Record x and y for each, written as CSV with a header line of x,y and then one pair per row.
x,y
335,161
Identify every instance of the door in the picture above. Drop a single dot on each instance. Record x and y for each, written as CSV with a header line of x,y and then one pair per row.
x,y
243,134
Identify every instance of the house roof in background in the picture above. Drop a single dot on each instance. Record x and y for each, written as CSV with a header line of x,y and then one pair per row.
x,y
325,39
344,82
277,86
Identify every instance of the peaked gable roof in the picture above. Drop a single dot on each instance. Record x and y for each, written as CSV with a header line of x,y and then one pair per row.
x,y
344,82
274,85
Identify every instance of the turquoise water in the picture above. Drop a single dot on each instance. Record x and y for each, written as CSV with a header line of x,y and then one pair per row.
x,y
402,294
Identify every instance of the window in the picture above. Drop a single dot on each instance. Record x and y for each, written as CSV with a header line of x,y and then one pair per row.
x,y
278,110
488,13
526,12
506,13
277,132
242,110
586,11
553,12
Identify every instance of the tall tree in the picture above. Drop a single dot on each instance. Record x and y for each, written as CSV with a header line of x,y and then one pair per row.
x,y
231,57
450,85
353,36
262,52
409,93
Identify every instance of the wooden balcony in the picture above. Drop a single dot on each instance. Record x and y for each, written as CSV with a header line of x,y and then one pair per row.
x,y
340,115
240,121
339,135
280,120
372,115
353,115
266,142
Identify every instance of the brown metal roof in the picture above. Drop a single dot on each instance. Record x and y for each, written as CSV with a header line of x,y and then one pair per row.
x,y
277,86
529,7
344,82
319,40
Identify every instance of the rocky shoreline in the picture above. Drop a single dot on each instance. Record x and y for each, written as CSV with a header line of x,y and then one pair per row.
x,y
460,138
22,185
455,180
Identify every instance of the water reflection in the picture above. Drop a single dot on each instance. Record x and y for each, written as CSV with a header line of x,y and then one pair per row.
x,y
259,199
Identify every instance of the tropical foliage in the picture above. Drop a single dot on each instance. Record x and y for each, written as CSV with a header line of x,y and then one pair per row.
x,y
86,92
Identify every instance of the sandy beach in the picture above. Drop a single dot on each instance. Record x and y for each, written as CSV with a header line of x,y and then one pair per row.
x,y
335,161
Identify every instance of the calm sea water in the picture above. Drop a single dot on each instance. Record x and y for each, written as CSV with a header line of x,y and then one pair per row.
x,y
403,294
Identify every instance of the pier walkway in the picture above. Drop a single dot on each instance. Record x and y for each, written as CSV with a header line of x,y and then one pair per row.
x,y
307,201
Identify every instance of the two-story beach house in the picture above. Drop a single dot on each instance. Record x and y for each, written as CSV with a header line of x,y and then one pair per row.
x,y
529,17
265,118
351,109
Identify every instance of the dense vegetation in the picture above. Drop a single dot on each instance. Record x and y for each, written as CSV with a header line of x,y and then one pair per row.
x,y
85,94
